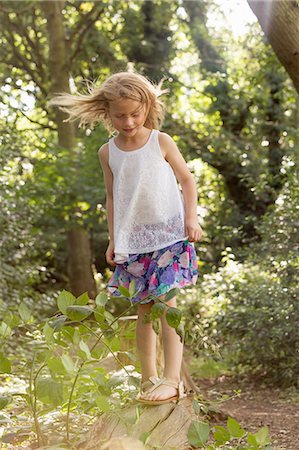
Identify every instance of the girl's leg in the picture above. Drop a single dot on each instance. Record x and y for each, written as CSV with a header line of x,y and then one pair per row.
x,y
146,343
173,354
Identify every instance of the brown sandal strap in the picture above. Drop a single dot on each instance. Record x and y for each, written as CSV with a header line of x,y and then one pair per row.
x,y
145,385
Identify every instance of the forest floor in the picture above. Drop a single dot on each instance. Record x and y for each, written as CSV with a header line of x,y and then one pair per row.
x,y
257,405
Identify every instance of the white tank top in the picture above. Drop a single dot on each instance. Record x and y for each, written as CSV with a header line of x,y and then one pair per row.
x,y
148,205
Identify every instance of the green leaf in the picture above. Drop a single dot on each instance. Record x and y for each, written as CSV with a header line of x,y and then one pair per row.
x,y
77,312
4,401
24,312
83,299
5,366
5,330
196,406
113,344
84,347
68,363
56,366
156,326
76,336
48,332
181,332
102,403
173,317
157,310
132,287
146,318
234,428
57,324
49,391
252,441
64,300
99,314
170,295
110,318
12,319
221,435
198,433
262,436
101,299
124,291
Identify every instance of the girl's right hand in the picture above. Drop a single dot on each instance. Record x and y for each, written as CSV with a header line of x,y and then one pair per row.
x,y
110,254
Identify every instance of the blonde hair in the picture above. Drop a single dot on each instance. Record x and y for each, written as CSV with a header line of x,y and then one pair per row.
x,y
94,107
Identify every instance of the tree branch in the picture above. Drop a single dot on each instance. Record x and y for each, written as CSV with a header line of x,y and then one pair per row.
x,y
18,60
83,29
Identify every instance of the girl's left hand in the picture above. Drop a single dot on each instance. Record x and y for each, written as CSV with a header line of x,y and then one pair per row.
x,y
193,230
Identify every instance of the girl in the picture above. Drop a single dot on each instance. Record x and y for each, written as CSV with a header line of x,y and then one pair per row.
x,y
152,226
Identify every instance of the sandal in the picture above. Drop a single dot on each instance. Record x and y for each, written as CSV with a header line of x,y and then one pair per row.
x,y
147,385
163,381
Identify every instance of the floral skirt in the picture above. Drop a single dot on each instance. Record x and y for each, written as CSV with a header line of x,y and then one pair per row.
x,y
157,272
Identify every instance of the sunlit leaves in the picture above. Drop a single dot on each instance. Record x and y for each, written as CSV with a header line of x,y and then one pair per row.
x,y
5,365
24,312
4,401
64,300
5,330
49,391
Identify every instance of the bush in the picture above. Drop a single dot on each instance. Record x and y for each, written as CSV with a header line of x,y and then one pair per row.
x,y
251,308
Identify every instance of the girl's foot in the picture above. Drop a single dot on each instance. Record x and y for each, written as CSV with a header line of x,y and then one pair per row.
x,y
164,391
148,384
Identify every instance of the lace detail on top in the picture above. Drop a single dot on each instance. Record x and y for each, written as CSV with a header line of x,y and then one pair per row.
x,y
148,205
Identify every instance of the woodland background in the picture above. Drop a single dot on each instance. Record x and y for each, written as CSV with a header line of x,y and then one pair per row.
x,y
232,108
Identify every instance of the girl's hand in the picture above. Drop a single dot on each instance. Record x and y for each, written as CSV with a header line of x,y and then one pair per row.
x,y
193,230
110,254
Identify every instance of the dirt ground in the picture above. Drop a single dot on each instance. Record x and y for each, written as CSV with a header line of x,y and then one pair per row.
x,y
258,406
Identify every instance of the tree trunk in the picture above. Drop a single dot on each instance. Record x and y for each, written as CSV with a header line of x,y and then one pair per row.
x,y
280,23
78,251
79,257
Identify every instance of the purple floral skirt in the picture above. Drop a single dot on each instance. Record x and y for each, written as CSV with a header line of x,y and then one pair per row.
x,y
157,272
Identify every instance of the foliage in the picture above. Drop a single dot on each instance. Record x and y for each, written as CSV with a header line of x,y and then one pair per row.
x,y
66,368
22,260
231,437
244,304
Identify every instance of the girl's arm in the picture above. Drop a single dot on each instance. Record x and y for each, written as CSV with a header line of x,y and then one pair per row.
x,y
103,154
174,157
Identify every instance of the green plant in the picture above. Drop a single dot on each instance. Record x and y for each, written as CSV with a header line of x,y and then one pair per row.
x,y
63,364
233,436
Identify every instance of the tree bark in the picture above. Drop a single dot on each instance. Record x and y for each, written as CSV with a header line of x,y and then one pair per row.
x,y
280,23
80,274
79,256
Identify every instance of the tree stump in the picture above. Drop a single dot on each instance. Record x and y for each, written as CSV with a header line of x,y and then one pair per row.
x,y
163,426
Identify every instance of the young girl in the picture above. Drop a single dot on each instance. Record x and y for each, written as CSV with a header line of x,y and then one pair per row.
x,y
152,226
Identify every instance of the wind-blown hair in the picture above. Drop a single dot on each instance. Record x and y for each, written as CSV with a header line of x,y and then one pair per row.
x,y
94,107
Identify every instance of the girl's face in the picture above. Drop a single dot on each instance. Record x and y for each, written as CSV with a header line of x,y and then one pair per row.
x,y
127,116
